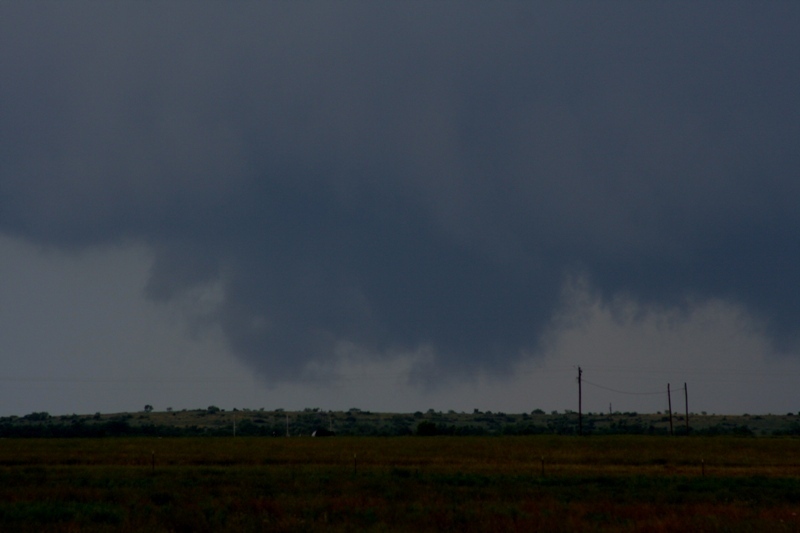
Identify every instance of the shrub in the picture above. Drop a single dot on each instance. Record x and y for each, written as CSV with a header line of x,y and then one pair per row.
x,y
427,429
37,417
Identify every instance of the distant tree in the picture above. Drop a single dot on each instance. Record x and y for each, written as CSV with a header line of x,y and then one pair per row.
x,y
37,417
148,408
116,428
427,429
213,409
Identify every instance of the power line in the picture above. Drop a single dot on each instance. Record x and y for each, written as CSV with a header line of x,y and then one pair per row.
x,y
624,392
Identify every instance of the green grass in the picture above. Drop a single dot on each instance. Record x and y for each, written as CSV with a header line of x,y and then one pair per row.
x,y
400,484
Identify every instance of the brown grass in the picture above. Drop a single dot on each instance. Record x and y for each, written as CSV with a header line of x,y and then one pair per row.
x,y
400,484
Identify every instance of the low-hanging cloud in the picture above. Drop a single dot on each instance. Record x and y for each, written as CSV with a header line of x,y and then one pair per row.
x,y
405,177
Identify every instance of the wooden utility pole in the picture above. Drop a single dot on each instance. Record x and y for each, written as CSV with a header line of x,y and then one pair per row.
x,y
580,401
669,404
686,400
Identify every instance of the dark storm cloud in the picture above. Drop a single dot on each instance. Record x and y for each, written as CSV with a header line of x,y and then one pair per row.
x,y
404,177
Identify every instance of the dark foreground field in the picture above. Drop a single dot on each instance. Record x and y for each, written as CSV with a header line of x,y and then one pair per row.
x,y
545,483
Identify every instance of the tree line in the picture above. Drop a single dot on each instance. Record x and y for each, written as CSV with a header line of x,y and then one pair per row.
x,y
215,422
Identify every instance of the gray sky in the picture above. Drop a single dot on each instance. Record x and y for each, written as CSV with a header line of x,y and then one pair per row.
x,y
398,206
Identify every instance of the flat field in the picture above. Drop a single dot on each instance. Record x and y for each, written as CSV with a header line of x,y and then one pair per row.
x,y
535,483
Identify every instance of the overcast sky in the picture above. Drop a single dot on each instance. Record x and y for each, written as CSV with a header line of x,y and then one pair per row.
x,y
399,206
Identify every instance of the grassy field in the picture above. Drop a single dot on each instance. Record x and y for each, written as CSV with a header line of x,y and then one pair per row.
x,y
548,483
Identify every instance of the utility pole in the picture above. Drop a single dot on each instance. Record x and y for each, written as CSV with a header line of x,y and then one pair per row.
x,y
686,400
669,404
580,401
